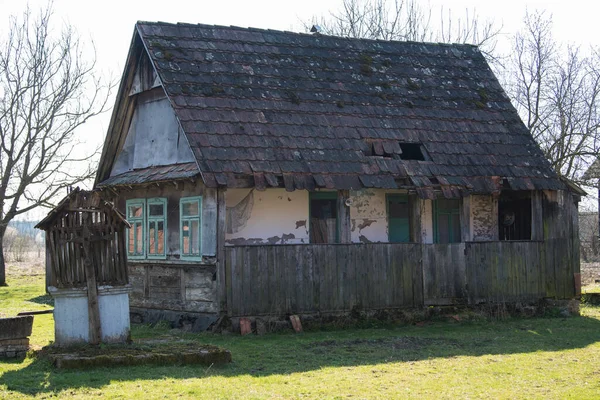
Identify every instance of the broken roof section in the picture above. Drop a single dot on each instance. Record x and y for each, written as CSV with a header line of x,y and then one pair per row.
x,y
307,111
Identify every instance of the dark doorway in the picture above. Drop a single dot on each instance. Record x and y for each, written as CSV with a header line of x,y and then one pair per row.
x,y
514,215
323,217
398,218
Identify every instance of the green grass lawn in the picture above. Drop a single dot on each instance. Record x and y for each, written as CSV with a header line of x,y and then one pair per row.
x,y
515,358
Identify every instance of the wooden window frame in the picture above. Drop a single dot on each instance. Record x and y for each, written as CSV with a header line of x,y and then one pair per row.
x,y
133,221
153,201
182,201
436,212
145,220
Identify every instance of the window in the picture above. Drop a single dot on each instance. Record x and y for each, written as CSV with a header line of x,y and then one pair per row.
x,y
323,217
190,211
398,218
446,220
135,235
147,236
157,214
514,215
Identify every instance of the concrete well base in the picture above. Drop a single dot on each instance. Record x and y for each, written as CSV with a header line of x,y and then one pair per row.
x,y
71,318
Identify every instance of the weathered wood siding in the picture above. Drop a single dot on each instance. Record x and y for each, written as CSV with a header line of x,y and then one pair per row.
x,y
286,279
327,278
173,287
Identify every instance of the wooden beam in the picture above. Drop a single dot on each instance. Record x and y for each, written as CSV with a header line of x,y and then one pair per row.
x,y
415,205
92,294
221,266
343,216
537,218
495,217
465,219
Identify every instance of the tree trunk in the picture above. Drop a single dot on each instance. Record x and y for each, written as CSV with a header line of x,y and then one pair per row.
x,y
2,265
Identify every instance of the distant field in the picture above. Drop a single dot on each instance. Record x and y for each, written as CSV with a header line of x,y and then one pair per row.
x,y
545,358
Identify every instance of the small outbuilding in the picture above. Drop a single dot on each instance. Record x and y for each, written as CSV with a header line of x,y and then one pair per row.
x,y
86,269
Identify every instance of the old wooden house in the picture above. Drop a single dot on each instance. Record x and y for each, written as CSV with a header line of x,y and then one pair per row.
x,y
268,172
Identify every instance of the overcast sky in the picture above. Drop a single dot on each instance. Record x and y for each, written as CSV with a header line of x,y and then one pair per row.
x,y
110,23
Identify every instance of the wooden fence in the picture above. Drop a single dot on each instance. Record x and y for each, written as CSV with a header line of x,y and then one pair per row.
x,y
281,279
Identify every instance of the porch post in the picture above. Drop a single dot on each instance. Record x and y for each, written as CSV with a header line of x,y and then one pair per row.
x,y
343,216
537,219
495,218
415,204
465,219
221,280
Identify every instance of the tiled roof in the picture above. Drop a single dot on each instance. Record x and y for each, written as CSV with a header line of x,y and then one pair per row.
x,y
153,174
306,110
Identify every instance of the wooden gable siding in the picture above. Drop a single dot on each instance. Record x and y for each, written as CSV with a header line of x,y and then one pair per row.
x,y
154,136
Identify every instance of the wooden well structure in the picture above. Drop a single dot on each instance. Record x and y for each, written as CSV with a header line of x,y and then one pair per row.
x,y
85,250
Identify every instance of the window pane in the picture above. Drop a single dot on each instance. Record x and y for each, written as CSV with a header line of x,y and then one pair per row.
x,y
139,239
190,209
398,208
135,211
131,248
443,228
156,210
194,238
185,235
160,238
151,238
455,238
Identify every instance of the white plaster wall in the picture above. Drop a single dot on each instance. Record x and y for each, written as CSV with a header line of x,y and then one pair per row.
x,y
277,217
71,317
483,222
368,216
114,314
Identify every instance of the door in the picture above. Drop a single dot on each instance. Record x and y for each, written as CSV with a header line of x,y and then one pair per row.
x,y
398,218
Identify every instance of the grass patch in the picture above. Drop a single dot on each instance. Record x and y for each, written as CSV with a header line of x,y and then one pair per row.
x,y
515,358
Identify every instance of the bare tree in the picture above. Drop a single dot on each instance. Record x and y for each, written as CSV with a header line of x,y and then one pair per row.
x,y
47,91
556,90
406,20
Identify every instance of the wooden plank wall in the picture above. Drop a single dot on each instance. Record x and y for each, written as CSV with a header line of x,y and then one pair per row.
x,y
444,274
288,279
311,278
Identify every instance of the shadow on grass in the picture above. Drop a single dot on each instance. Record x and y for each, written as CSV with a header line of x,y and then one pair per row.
x,y
45,299
291,353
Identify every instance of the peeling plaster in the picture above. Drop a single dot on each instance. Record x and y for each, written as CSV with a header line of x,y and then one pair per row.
x,y
363,239
243,241
301,223
482,220
287,237
273,239
277,216
366,222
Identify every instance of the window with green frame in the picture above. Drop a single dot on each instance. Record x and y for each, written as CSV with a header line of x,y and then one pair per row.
x,y
148,233
190,217
135,234
398,213
446,220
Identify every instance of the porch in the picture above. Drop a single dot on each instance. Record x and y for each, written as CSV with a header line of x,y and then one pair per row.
x,y
330,278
